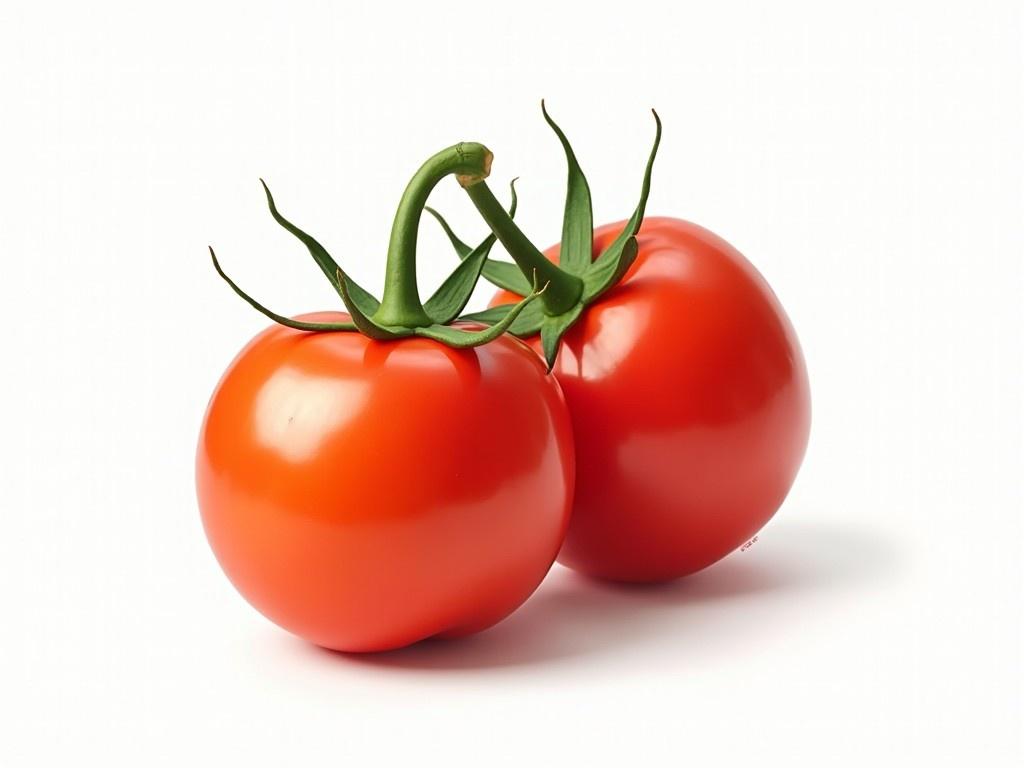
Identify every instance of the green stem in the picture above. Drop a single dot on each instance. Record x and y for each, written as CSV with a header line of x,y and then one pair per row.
x,y
400,304
563,289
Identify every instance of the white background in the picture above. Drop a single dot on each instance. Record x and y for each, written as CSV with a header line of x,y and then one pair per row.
x,y
866,157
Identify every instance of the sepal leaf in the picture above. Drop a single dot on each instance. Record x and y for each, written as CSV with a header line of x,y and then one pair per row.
x,y
299,325
489,316
503,274
453,295
577,249
527,324
553,328
362,321
456,337
366,301
607,272
613,253
461,248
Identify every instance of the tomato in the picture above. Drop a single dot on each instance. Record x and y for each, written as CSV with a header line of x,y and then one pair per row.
x,y
347,479
354,491
690,407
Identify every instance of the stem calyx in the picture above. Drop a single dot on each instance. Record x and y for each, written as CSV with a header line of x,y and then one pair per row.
x,y
400,313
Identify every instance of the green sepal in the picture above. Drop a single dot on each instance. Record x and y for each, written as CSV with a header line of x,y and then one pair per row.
x,y
489,316
577,247
462,249
456,337
503,274
606,273
526,325
453,295
366,301
552,330
298,325
363,323
607,267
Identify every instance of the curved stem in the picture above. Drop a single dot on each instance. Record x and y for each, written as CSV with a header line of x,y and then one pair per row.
x,y
400,304
563,290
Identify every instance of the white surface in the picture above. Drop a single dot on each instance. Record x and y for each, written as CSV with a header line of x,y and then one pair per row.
x,y
868,159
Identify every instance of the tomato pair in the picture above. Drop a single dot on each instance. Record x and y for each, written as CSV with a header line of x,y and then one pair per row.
x,y
417,478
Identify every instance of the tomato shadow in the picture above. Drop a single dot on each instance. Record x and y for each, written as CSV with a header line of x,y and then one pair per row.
x,y
572,618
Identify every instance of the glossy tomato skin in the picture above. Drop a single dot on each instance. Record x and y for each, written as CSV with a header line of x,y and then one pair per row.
x,y
353,493
690,406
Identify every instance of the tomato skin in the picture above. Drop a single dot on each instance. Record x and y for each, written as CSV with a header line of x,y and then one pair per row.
x,y
690,407
353,493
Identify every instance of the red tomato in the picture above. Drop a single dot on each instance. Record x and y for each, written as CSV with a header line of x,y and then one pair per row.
x,y
689,403
355,494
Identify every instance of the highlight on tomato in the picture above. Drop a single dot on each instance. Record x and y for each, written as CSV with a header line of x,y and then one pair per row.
x,y
372,478
684,378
